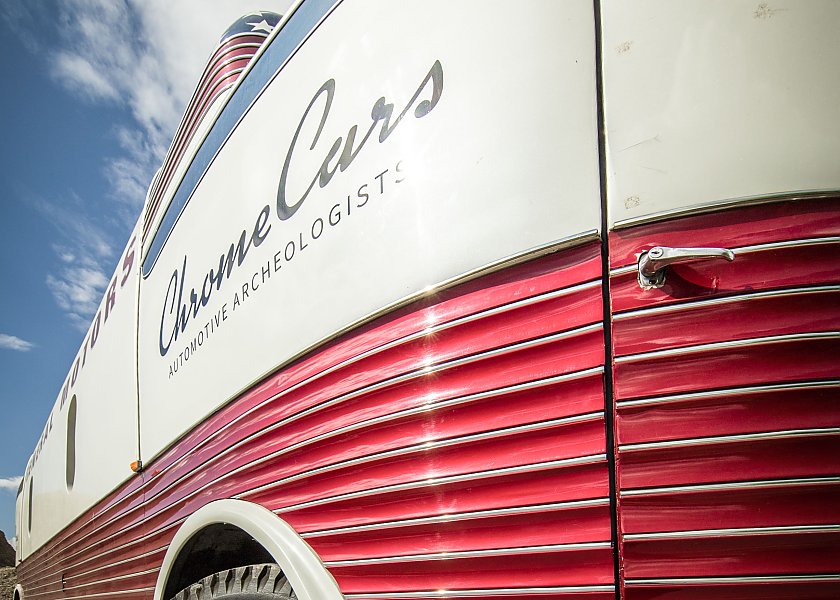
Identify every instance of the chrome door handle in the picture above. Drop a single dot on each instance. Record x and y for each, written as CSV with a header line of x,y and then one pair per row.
x,y
654,263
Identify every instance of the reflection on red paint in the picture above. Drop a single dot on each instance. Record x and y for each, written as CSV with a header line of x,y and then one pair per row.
x,y
727,423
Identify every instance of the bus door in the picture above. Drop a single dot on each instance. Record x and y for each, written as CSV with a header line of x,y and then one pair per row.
x,y
725,305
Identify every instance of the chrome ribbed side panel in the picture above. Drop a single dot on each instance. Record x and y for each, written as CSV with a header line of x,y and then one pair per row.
x,y
727,387
455,448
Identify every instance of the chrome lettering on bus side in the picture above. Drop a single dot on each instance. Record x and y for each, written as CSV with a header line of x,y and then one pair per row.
x,y
380,113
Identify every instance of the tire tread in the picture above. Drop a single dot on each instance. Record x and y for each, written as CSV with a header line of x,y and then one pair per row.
x,y
264,580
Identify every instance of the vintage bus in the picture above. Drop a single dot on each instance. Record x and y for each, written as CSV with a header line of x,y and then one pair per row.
x,y
470,300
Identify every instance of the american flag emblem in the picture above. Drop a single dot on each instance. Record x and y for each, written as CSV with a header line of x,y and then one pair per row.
x,y
260,22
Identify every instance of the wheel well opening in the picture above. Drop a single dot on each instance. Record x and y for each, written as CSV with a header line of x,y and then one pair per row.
x,y
215,548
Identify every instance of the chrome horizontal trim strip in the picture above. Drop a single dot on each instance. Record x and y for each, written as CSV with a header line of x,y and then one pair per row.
x,y
112,565
770,339
406,377
513,592
478,316
209,94
118,593
786,244
631,268
388,382
513,260
443,327
469,554
464,516
797,243
437,481
218,91
59,559
559,245
684,306
531,385
433,368
230,49
726,439
55,569
700,209
757,389
408,412
41,585
734,532
735,485
450,364
431,445
531,254
365,390
416,374
829,578
110,579
67,565
183,137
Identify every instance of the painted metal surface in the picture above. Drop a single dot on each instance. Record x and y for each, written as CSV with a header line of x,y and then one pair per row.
x,y
414,192
458,443
727,422
441,430
824,588
707,101
66,474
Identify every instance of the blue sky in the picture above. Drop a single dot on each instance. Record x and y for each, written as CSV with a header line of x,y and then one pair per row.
x,y
92,93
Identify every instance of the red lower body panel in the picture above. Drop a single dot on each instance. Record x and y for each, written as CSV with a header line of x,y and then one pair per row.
x,y
459,448
727,423
741,590
457,444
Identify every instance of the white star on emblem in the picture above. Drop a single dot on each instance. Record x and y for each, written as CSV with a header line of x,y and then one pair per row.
x,y
261,26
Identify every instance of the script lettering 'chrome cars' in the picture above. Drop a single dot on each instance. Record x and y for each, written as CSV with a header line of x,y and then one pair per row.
x,y
382,111
182,314
178,310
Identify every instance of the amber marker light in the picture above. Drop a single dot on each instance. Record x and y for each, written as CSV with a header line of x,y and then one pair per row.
x,y
137,466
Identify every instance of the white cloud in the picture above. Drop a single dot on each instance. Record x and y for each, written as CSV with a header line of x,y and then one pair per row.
x,y
86,241
18,16
129,173
80,75
10,483
11,342
77,291
85,259
146,56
